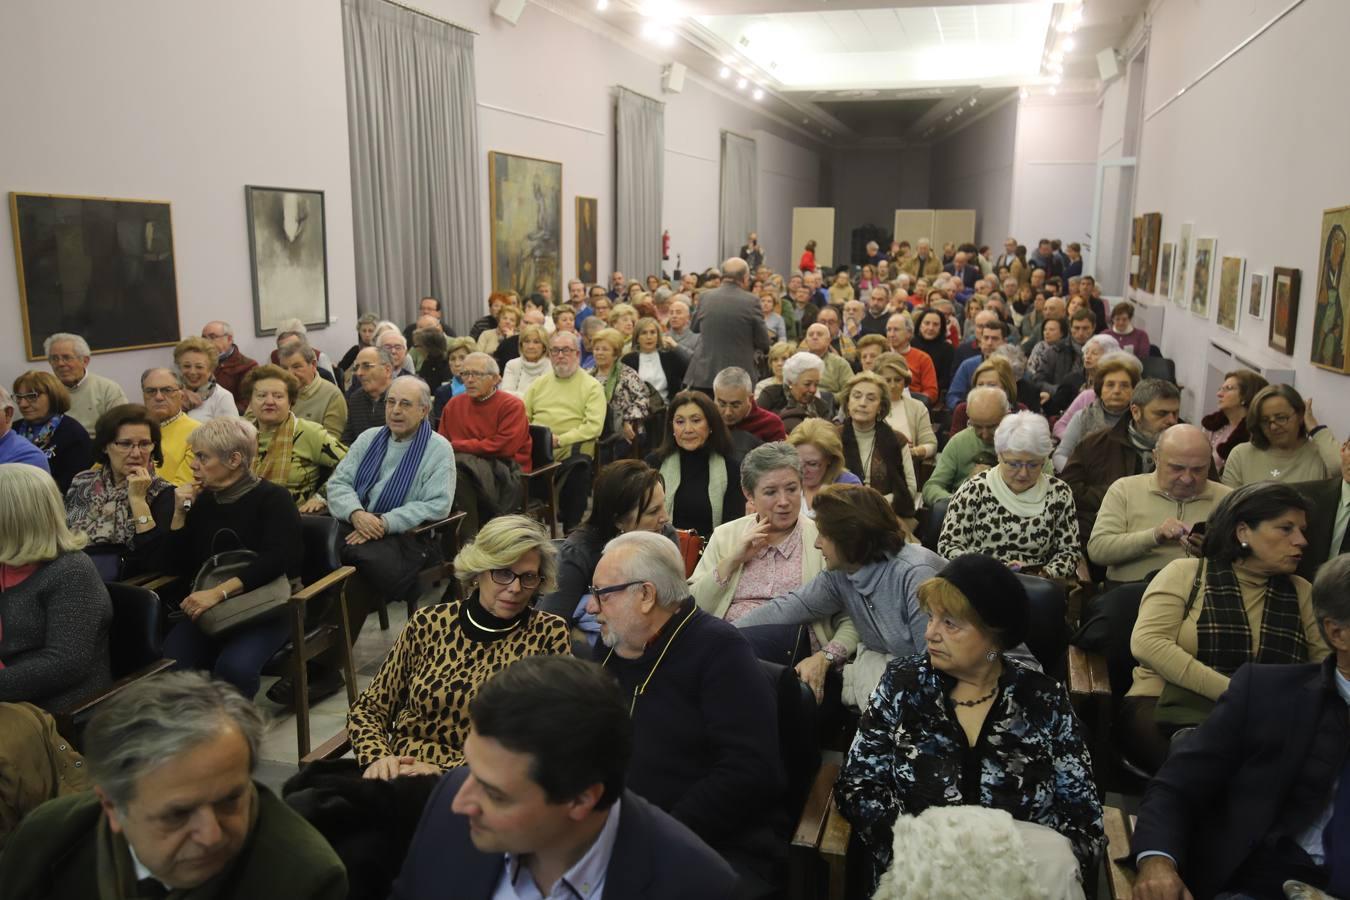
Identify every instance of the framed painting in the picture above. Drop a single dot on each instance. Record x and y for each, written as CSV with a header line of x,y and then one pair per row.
x,y
1150,238
1165,270
587,219
1331,303
1180,286
288,251
100,267
1136,248
1284,309
526,211
1256,295
1230,289
1202,270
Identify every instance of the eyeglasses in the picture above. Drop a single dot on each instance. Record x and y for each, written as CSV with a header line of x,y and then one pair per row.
x,y
600,592
1282,419
26,398
128,446
156,391
367,366
561,351
528,580
393,403
1023,466
212,337
63,358
466,375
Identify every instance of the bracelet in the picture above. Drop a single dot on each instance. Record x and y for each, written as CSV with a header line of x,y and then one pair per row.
x,y
224,595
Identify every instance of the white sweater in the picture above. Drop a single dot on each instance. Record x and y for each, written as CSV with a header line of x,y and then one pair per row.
x,y
520,374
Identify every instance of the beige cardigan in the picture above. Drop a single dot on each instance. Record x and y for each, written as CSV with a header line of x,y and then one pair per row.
x,y
716,599
1165,646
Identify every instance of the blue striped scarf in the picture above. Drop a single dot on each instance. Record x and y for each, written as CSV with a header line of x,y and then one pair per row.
x,y
396,489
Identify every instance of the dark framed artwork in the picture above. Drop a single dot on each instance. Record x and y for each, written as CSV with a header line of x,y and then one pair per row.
x,y
288,252
1256,294
1136,252
100,267
526,208
1150,239
1284,309
587,219
1331,308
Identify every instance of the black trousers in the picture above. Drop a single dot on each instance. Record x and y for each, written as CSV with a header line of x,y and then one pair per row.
x,y
574,489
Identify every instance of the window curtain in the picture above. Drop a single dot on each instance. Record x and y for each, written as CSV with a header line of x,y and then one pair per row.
x,y
740,193
640,149
412,118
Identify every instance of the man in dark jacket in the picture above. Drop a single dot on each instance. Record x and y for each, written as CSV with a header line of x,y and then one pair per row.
x,y
1329,522
540,807
731,325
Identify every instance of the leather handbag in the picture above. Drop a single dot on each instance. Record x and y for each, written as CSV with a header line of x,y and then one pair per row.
x,y
253,607
1179,707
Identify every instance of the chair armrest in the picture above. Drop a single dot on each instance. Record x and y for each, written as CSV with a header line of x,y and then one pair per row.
x,y
152,581
1119,876
335,577
1088,674
437,524
121,684
838,830
334,748
816,812
541,470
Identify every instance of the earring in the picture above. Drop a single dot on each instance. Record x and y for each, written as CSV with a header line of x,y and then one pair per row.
x,y
991,655
1245,545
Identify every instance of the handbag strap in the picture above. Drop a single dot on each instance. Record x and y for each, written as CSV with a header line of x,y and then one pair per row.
x,y
239,545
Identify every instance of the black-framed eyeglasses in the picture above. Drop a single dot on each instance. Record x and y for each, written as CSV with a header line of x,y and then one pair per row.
x,y
528,580
599,593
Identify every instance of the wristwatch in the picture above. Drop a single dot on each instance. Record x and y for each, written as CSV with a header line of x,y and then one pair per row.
x,y
830,657
142,520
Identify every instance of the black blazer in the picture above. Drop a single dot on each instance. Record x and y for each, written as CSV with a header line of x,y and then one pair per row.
x,y
673,363
1222,790
655,857
1325,497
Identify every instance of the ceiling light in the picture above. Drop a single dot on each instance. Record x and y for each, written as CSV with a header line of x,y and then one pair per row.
x,y
601,5
1024,93
666,38
758,94
1056,55
1069,44
1053,90
742,84
1056,79
724,73
973,101
960,110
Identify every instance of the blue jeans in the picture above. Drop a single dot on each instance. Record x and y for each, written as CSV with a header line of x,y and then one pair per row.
x,y
237,658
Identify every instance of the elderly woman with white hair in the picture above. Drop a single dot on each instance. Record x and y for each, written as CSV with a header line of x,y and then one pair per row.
x,y
228,507
1014,512
1079,394
796,399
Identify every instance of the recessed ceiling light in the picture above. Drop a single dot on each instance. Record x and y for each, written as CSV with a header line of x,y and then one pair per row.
x,y
1056,79
1069,44
742,84
973,101
724,73
601,5
1053,90
758,94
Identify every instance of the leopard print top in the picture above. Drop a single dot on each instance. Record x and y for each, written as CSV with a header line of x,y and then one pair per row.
x,y
418,704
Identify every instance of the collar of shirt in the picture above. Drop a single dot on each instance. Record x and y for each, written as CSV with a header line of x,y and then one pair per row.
x,y
1343,686
142,873
585,880
788,547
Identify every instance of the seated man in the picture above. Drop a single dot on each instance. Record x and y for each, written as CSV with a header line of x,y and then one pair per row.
x,y
572,404
374,370
705,733
750,425
1260,793
1121,451
1145,521
320,400
488,431
174,809
971,450
90,395
162,391
835,370
14,448
899,333
530,815
1327,532
392,341
991,333
231,364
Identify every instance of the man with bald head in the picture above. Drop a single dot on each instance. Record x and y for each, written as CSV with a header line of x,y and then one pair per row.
x,y
1145,520
231,364
677,326
731,328
971,450
836,371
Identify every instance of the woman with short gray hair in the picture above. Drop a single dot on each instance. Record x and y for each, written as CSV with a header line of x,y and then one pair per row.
x,y
796,398
1015,512
766,554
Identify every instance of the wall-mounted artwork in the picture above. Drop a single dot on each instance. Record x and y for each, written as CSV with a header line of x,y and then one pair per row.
x,y
1284,309
1230,287
288,250
1202,272
1181,293
526,210
1165,270
99,267
587,219
1331,309
1136,251
1150,239
1256,295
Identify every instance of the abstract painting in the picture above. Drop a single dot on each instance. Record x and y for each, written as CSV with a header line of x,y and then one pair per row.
x,y
1150,238
1165,271
1202,271
1230,287
526,210
1331,308
1256,295
587,220
1180,286
100,267
1284,309
288,248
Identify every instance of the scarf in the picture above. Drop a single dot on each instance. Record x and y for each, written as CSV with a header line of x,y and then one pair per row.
x,y
1223,635
717,483
885,465
396,490
1097,416
40,434
1027,505
274,463
227,495
101,509
1143,445
611,380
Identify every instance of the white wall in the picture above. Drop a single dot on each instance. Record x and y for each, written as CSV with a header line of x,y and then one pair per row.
x,y
973,169
182,102
1250,155
868,186
1054,168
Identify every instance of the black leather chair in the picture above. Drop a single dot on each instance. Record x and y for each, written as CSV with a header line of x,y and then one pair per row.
x,y
540,483
1159,367
1047,634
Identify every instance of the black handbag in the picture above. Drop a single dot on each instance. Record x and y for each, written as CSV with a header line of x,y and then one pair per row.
x,y
253,607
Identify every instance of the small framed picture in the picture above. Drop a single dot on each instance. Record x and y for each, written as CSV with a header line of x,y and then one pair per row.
x,y
1256,295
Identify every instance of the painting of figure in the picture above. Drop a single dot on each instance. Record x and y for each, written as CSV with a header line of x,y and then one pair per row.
x,y
587,219
288,247
526,208
1256,295
1230,286
1180,295
1165,271
1151,237
1330,309
1201,270
1284,309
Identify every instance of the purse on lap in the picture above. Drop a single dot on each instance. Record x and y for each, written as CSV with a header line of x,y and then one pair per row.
x,y
262,604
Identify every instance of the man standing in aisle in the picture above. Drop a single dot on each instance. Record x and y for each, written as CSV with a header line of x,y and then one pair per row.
x,y
730,326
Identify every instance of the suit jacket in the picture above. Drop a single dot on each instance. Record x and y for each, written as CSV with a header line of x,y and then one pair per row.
x,y
732,329
654,857
1325,497
932,266
673,365
1222,790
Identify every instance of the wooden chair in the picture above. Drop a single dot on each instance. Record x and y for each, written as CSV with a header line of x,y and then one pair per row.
x,y
446,532
1119,830
544,473
1090,694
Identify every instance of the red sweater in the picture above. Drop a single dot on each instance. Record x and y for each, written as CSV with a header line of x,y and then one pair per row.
x,y
493,427
763,424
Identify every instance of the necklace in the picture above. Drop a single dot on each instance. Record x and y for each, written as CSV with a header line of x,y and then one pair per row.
x,y
514,625
642,688
985,699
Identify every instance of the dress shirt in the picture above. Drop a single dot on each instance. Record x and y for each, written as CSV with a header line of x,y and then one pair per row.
x,y
584,881
1342,520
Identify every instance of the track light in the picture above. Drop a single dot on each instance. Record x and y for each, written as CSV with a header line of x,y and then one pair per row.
x,y
758,94
742,84
724,72
601,5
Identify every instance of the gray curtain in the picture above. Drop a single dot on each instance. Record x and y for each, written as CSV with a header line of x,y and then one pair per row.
x,y
412,114
640,150
740,193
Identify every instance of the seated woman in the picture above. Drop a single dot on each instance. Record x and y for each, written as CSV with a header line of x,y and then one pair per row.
x,y
1286,443
1113,382
701,474
1201,619
964,724
457,349
767,554
1053,360
908,416
769,307
1131,339
995,372
295,453
625,394
532,362
1015,512
1227,425
1077,388
930,336
123,507
822,455
872,450
43,404
623,318
230,509
796,400
778,354
54,609
870,347
508,323
203,399
656,360
414,716
432,349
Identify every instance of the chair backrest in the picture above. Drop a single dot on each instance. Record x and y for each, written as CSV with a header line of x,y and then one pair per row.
x,y
933,529
541,445
1108,622
322,547
1159,367
133,636
798,732
1047,634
